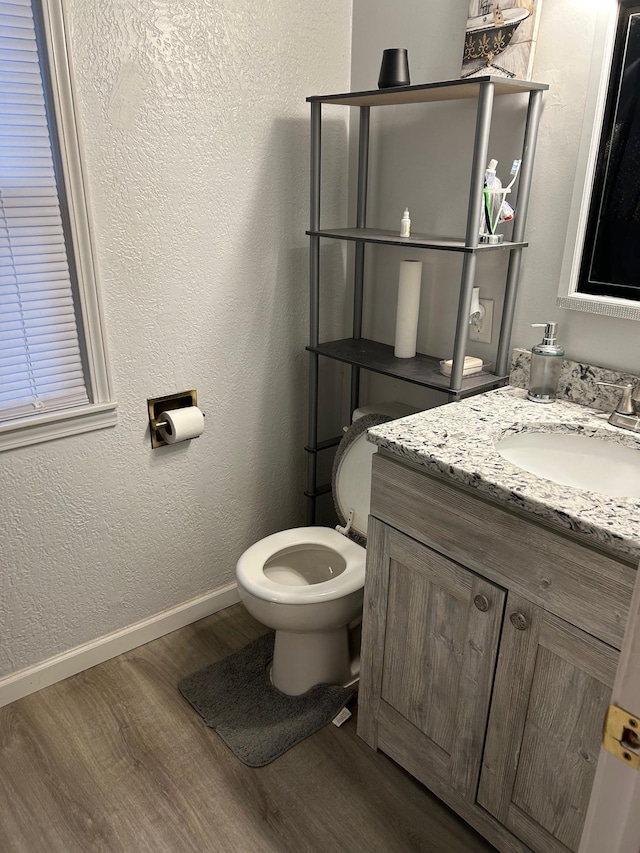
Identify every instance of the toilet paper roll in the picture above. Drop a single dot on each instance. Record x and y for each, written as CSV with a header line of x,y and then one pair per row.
x,y
408,309
181,424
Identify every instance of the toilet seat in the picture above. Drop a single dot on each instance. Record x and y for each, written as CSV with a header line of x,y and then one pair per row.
x,y
351,475
250,567
351,481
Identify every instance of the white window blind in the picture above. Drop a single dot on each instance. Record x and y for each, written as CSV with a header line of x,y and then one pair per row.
x,y
41,365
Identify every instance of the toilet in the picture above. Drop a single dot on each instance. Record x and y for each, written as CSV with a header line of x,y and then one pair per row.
x,y
307,583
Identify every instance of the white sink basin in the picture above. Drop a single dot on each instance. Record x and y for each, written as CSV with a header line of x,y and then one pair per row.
x,y
581,461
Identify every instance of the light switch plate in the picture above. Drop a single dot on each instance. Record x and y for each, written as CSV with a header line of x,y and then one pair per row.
x,y
483,331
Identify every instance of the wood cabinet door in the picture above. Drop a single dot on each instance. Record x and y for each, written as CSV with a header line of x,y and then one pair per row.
x,y
553,685
430,638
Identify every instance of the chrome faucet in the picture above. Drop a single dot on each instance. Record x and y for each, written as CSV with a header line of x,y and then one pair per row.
x,y
627,413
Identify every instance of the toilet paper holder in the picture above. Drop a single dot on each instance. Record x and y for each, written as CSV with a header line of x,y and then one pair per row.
x,y
156,405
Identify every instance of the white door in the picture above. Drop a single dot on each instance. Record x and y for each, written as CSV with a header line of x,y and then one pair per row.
x,y
613,818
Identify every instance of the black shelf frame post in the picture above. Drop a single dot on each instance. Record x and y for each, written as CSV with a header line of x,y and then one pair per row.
x,y
361,222
314,288
314,308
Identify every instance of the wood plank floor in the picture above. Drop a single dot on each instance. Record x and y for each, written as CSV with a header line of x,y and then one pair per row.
x,y
115,760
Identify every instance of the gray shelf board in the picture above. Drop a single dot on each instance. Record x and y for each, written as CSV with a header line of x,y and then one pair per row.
x,y
421,370
425,93
416,241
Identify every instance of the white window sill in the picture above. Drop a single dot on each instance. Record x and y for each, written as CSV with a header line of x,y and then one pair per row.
x,y
46,427
625,309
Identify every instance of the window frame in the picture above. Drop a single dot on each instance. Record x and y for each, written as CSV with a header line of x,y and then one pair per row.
x,y
101,411
597,89
599,213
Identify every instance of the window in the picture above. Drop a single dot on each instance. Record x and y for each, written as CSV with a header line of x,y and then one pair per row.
x,y
611,256
54,378
601,265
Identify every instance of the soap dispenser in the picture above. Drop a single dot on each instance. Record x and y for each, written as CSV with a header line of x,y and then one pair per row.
x,y
546,363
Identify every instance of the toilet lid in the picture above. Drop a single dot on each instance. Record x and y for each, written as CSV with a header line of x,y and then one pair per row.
x,y
351,478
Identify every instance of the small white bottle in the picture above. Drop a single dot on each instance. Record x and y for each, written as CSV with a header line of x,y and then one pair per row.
x,y
405,224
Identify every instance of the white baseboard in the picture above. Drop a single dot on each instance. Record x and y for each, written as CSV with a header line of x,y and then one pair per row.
x,y
26,681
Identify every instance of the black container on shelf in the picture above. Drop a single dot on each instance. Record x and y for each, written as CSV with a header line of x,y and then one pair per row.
x,y
394,70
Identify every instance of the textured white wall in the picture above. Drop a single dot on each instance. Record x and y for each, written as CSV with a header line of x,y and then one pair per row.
x,y
196,139
421,158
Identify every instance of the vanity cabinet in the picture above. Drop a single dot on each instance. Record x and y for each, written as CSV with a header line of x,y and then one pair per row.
x,y
490,645
439,654
552,688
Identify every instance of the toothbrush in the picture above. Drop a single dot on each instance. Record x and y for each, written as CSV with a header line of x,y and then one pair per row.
x,y
515,168
487,211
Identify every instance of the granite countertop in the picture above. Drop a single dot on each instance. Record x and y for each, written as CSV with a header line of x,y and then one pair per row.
x,y
457,441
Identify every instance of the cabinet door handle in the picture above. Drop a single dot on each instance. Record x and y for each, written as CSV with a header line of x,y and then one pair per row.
x,y
519,621
481,602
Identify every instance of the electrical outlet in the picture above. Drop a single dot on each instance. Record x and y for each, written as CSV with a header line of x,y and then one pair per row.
x,y
481,331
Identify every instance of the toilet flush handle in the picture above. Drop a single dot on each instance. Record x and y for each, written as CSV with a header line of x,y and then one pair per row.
x,y
345,530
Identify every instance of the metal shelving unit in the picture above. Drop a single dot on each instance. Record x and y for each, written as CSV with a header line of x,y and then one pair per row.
x,y
364,354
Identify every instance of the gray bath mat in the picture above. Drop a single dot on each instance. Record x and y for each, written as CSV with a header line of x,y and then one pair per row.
x,y
255,720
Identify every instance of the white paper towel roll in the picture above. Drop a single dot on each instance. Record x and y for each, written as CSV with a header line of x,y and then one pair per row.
x,y
181,424
408,308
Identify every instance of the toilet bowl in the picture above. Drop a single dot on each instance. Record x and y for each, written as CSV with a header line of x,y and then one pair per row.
x,y
307,583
